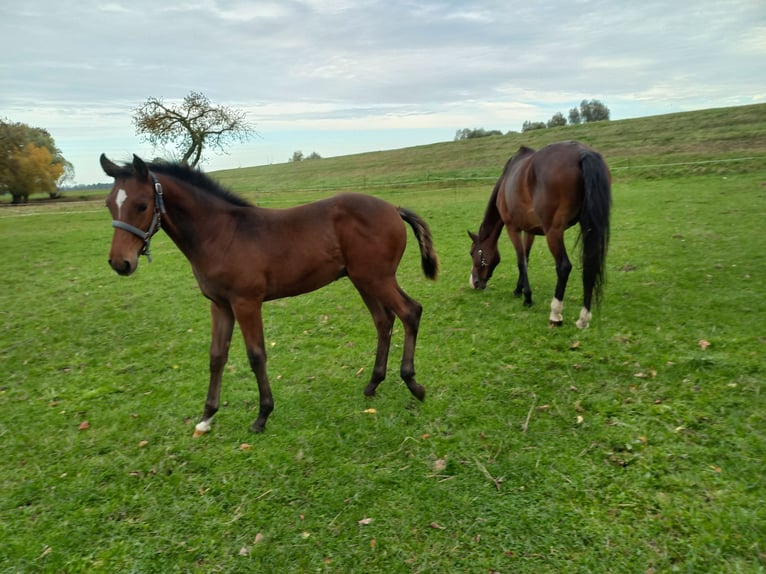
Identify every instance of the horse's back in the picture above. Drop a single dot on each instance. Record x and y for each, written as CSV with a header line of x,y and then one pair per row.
x,y
545,188
558,164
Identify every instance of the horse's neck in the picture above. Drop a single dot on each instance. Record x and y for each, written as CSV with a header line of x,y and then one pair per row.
x,y
492,224
192,218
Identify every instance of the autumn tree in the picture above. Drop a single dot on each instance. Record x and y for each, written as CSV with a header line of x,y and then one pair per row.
x,y
30,162
192,126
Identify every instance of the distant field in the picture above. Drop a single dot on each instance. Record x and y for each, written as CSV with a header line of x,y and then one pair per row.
x,y
634,446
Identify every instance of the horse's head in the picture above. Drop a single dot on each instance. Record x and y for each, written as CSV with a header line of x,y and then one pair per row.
x,y
485,258
135,203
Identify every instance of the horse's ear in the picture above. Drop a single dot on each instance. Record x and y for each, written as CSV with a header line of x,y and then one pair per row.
x,y
110,168
139,168
473,236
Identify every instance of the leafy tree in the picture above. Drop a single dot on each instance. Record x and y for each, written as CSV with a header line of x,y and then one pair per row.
x,y
298,156
30,162
467,134
593,111
574,116
193,125
528,126
557,120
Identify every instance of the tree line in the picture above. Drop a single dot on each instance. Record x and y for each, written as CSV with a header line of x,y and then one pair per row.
x,y
588,111
30,161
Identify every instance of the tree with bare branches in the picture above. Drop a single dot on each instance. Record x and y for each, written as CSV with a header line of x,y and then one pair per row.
x,y
193,125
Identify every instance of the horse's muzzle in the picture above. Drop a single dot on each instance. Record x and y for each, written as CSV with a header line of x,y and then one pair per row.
x,y
475,282
123,266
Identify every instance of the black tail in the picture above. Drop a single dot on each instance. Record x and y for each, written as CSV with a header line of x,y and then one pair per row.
x,y
594,222
428,258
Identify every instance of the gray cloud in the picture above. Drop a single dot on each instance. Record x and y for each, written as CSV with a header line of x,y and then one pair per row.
x,y
80,70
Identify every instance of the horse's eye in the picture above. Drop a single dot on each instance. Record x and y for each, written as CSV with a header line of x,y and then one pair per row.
x,y
141,207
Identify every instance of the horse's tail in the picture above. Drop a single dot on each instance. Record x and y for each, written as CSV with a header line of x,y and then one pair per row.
x,y
428,258
594,221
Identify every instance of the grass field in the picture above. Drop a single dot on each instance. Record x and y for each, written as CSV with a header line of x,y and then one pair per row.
x,y
637,445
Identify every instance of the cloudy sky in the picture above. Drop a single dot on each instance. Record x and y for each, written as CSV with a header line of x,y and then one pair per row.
x,y
339,76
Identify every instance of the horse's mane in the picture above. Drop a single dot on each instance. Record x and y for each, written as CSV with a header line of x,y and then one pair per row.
x,y
194,177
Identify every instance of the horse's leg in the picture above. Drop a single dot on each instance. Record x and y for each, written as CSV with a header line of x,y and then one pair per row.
x,y
409,312
555,238
529,239
588,285
390,297
384,323
585,315
251,324
522,247
222,327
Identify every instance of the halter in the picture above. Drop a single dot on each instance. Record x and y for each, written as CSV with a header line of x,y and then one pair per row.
x,y
146,236
482,261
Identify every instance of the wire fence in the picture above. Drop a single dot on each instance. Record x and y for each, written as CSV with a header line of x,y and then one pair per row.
x,y
369,185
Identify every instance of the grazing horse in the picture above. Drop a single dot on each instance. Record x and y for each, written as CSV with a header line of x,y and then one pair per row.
x,y
243,255
544,193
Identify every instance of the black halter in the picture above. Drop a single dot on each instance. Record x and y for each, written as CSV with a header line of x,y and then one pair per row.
x,y
482,261
159,209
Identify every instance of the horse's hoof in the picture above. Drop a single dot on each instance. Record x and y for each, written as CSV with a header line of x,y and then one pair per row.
x,y
418,391
202,427
528,303
555,323
256,428
371,388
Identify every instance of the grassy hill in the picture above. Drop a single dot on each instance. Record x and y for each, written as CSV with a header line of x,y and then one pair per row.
x,y
636,445
717,140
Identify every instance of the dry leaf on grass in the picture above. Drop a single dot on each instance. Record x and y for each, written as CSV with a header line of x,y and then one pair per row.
x,y
364,521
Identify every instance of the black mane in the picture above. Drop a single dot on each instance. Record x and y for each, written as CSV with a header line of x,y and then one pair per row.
x,y
193,177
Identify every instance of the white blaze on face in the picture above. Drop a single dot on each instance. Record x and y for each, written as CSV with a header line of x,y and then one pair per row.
x,y
122,195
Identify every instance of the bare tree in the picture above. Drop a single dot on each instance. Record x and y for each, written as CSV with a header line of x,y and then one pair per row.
x,y
193,125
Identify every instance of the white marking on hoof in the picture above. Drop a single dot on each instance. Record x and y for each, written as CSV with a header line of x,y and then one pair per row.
x,y
556,308
122,195
202,428
584,320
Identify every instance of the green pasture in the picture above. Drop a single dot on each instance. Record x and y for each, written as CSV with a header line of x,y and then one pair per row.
x,y
637,445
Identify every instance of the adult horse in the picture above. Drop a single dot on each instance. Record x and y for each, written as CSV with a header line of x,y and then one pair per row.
x,y
544,193
243,255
